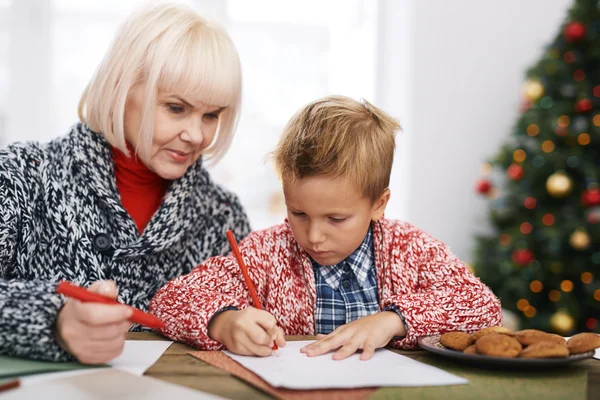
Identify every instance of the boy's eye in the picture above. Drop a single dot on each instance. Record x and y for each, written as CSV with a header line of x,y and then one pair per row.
x,y
175,108
298,214
337,220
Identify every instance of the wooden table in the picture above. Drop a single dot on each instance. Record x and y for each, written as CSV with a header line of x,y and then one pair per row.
x,y
178,367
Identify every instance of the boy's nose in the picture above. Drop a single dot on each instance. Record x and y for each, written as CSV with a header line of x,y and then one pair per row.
x,y
315,234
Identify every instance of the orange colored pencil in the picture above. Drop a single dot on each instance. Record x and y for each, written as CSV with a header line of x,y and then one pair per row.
x,y
249,284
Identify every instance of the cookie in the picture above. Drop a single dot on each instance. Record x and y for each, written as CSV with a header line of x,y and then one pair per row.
x,y
472,349
546,349
528,337
583,342
455,340
487,331
498,345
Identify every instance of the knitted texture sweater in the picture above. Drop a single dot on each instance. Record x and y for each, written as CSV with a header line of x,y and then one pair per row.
x,y
61,218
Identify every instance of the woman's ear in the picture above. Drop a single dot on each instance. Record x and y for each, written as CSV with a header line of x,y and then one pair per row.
x,y
379,205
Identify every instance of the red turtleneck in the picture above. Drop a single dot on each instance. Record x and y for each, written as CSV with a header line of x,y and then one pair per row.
x,y
141,190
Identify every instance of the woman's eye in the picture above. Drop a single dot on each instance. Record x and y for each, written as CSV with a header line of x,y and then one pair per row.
x,y
175,108
212,116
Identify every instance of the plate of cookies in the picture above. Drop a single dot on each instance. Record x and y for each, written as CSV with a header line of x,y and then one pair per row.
x,y
499,347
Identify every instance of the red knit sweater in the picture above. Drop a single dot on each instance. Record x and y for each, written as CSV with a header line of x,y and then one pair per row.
x,y
433,290
141,190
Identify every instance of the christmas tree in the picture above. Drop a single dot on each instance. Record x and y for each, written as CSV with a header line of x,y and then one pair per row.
x,y
542,257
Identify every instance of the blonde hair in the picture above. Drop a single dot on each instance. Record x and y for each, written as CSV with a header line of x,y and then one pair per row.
x,y
167,47
339,137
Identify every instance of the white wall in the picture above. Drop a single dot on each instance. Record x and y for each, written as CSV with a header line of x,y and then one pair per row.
x,y
470,57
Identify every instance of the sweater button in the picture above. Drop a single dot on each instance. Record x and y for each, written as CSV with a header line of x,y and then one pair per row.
x,y
102,242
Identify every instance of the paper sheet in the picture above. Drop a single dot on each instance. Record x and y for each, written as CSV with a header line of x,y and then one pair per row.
x,y
137,357
107,384
220,360
294,370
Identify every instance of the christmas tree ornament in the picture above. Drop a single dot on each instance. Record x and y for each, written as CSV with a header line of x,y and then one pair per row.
x,y
522,256
546,102
569,57
559,185
584,139
580,123
562,322
515,172
533,90
483,186
583,105
590,197
568,90
592,215
574,31
530,203
579,240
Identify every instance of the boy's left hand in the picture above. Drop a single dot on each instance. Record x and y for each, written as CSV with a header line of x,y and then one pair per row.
x,y
366,334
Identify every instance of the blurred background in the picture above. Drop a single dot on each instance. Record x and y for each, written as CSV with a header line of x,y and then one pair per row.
x,y
451,72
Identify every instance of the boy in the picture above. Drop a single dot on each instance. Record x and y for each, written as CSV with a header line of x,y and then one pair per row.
x,y
336,266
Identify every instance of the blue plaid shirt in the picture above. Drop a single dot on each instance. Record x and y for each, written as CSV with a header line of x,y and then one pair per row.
x,y
346,291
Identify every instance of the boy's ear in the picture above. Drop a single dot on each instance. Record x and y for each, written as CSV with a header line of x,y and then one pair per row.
x,y
380,204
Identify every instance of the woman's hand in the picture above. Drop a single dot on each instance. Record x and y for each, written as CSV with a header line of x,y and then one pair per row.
x,y
92,332
249,332
366,334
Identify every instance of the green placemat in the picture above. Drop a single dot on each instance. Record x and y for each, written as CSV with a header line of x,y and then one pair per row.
x,y
13,367
562,383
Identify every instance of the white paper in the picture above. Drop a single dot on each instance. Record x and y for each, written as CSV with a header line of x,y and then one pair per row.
x,y
294,370
110,384
137,357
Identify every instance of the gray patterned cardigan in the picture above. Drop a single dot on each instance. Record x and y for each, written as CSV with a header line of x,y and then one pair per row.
x,y
61,218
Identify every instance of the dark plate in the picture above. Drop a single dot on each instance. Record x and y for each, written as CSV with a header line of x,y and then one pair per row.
x,y
432,344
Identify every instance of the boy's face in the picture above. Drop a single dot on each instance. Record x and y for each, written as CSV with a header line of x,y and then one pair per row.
x,y
330,217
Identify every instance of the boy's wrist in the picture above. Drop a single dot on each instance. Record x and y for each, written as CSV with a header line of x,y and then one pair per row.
x,y
398,329
218,323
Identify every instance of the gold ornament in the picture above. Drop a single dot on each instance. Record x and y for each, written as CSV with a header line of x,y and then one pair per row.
x,y
562,322
533,90
579,240
559,185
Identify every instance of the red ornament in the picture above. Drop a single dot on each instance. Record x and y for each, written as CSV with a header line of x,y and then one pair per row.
x,y
522,256
530,203
574,31
515,172
590,197
483,186
583,105
525,105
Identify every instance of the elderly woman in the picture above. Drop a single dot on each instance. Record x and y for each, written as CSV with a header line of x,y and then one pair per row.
x,y
123,200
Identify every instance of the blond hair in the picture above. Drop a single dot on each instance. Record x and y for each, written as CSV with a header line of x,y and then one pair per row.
x,y
339,137
168,47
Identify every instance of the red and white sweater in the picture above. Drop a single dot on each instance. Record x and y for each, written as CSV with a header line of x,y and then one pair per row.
x,y
433,290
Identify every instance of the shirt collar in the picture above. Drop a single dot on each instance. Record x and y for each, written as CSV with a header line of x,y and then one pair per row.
x,y
360,262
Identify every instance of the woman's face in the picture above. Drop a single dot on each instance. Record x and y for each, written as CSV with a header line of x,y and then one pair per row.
x,y
183,127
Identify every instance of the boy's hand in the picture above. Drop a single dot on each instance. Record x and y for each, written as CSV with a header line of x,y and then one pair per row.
x,y
367,334
248,332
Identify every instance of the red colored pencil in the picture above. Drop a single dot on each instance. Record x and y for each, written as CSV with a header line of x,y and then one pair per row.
x,y
77,292
9,384
249,284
